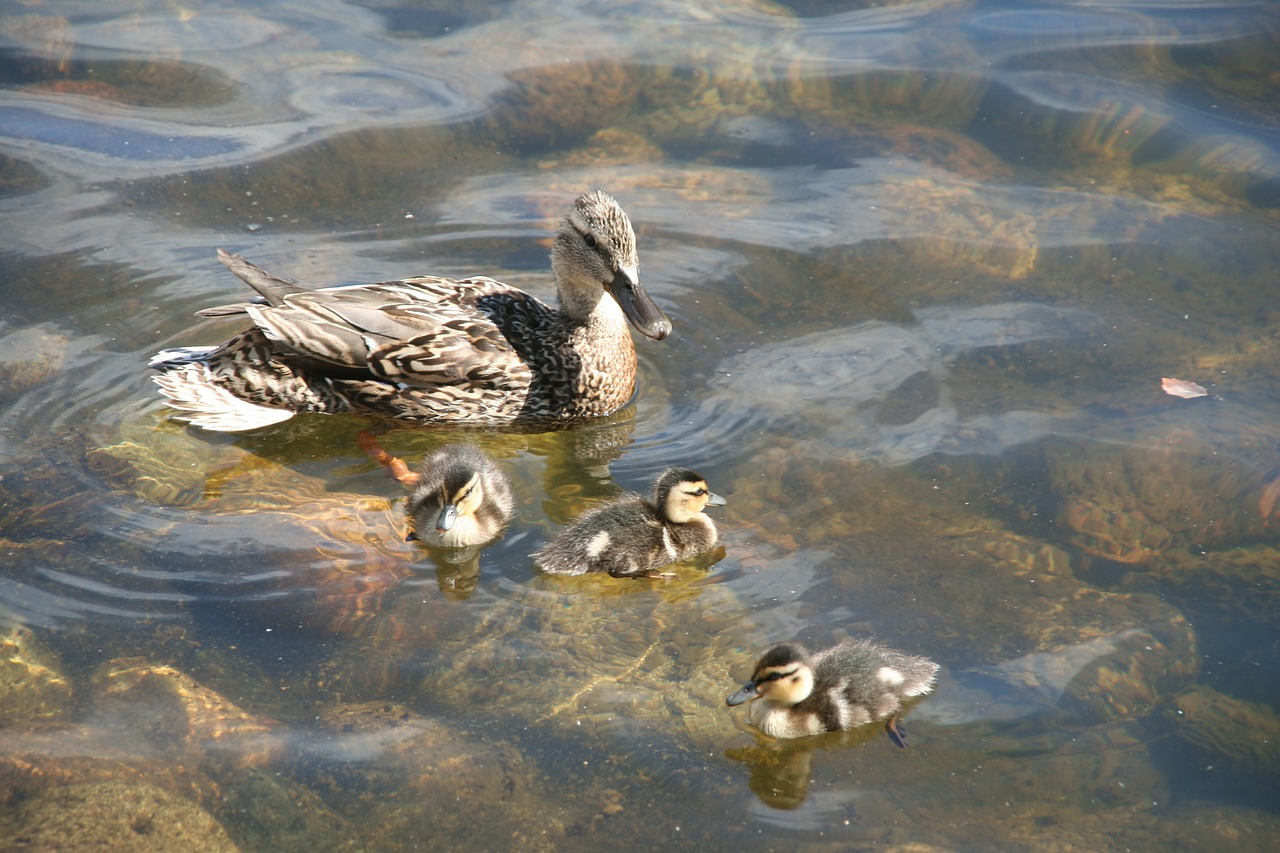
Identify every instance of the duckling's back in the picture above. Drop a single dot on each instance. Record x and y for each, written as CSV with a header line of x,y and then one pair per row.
x,y
865,674
623,537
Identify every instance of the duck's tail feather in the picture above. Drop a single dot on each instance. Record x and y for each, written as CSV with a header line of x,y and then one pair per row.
x,y
272,287
200,401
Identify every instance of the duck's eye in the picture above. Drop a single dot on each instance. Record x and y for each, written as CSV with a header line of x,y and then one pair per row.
x,y
590,240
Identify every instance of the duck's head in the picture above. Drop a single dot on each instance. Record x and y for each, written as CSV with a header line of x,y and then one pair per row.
x,y
439,507
595,250
681,494
783,676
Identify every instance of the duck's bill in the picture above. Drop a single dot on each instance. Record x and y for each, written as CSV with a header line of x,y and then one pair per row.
x,y
715,500
638,306
448,515
746,694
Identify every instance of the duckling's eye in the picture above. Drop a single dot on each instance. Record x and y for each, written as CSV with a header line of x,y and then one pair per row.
x,y
590,240
774,676
697,493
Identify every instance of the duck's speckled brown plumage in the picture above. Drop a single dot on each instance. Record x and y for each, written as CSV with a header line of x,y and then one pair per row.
x,y
429,349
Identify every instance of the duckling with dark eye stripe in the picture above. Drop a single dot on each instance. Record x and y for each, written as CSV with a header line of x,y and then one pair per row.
x,y
460,498
837,689
633,537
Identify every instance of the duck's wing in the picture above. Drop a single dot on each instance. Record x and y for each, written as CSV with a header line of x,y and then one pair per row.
x,y
271,288
421,332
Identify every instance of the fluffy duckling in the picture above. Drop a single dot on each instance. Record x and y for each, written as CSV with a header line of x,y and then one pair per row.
x,y
852,684
632,537
460,497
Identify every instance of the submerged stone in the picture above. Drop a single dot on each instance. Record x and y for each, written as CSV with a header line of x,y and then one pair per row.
x,y
29,357
33,688
166,710
1242,737
113,815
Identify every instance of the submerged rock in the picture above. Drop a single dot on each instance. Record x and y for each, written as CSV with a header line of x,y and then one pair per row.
x,y
162,709
388,749
164,465
29,357
1188,825
1240,737
114,815
33,688
391,768
262,810
1239,585
831,389
1192,477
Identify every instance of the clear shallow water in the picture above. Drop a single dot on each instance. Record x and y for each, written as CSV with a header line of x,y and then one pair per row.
x,y
927,264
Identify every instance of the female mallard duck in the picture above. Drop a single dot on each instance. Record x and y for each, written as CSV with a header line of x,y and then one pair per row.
x,y
428,349
841,688
631,537
460,498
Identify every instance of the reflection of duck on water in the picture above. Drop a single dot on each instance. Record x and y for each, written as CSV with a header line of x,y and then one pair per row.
x,y
634,537
837,689
431,349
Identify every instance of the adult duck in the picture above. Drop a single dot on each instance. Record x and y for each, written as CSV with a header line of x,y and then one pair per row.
x,y
428,349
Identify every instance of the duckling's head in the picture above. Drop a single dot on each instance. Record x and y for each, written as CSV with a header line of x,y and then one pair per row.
x,y
595,253
681,494
783,676
436,508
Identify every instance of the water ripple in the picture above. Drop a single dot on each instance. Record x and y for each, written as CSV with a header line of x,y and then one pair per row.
x,y
165,34
33,125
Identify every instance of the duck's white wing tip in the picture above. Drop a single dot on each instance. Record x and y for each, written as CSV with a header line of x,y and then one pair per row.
x,y
179,355
201,402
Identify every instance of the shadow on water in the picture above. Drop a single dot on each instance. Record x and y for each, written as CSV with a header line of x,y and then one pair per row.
x,y
927,264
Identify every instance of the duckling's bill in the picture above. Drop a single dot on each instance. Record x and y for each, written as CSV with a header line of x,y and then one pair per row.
x,y
448,515
746,694
640,309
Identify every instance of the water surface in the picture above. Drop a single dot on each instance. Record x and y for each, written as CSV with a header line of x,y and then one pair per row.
x,y
927,264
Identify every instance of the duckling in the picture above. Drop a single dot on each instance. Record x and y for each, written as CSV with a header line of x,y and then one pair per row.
x,y
460,498
632,537
430,349
837,689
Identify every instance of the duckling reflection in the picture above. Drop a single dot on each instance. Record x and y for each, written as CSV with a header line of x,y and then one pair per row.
x,y
836,689
461,501
779,777
633,537
781,773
